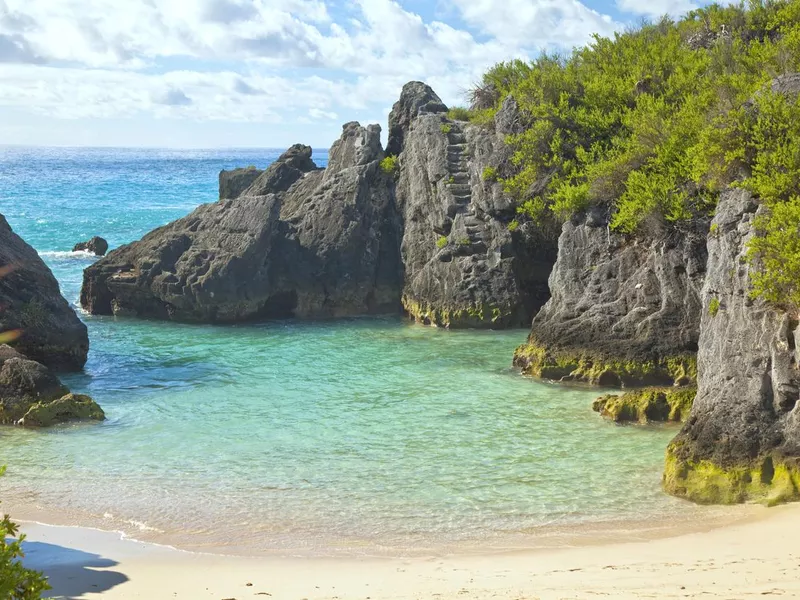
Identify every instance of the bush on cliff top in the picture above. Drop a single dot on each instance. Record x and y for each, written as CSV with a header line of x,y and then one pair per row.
x,y
653,120
16,582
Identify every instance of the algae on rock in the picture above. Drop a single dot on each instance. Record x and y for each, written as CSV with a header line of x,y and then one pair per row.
x,y
647,405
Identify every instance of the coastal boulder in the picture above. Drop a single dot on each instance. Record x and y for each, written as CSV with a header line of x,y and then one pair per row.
x,y
32,310
625,311
97,246
300,241
465,265
742,440
32,395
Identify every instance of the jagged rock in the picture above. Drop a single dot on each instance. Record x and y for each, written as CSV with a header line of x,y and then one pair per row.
x,y
31,304
97,246
313,243
32,395
742,440
648,405
232,184
464,267
283,173
415,99
624,311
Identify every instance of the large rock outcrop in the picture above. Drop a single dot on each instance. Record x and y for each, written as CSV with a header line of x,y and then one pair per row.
x,y
300,241
33,396
625,311
31,305
742,440
232,184
464,267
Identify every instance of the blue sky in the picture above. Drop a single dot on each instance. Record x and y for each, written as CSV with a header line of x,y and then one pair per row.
x,y
268,73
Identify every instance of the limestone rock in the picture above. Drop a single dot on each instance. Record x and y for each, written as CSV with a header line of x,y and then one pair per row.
x,y
464,266
415,99
624,311
312,243
32,305
96,245
650,405
232,184
742,440
71,407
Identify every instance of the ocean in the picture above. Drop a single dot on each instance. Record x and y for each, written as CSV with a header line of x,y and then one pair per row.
x,y
368,436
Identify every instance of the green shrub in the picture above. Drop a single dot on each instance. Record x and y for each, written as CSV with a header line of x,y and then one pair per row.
x,y
775,254
441,242
713,307
513,226
390,165
714,229
446,128
16,582
490,174
459,113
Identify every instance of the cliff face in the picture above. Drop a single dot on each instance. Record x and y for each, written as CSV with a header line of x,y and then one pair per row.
x,y
742,440
31,304
350,239
300,241
623,311
463,266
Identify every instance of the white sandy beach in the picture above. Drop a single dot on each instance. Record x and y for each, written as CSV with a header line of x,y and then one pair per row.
x,y
755,559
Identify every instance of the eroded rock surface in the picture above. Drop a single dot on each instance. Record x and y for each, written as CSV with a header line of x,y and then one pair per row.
x,y
233,183
31,305
742,440
463,265
300,241
624,311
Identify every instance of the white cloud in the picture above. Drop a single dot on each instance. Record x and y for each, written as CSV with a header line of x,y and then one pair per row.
x,y
265,61
656,8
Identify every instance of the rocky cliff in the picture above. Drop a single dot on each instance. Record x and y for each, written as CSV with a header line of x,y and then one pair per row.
x,y
299,241
31,305
624,311
429,228
463,265
742,440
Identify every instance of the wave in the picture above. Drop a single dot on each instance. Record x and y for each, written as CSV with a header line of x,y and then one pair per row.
x,y
64,255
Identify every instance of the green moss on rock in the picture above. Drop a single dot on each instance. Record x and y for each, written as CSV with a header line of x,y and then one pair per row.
x,y
475,316
647,405
769,480
71,407
538,361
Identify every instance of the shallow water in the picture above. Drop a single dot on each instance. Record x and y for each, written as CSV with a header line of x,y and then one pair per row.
x,y
370,434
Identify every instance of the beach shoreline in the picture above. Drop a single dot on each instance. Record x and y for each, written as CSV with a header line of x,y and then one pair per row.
x,y
753,558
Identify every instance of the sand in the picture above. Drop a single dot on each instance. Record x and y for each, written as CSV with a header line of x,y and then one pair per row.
x,y
756,559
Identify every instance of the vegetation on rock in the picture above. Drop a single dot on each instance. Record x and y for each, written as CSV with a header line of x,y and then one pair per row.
x,y
658,120
390,165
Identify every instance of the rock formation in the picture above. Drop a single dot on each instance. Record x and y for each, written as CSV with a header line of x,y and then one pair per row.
x,y
624,311
463,265
32,395
97,246
299,241
32,306
742,440
649,405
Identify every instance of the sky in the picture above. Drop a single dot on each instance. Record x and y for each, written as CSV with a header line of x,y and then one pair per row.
x,y
262,73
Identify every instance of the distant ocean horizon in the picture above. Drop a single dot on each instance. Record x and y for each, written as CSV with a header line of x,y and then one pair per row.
x,y
371,435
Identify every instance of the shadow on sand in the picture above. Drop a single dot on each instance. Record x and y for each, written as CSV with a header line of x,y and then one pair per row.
x,y
72,573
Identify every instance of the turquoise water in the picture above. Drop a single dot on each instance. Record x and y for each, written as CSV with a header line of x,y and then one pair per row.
x,y
375,434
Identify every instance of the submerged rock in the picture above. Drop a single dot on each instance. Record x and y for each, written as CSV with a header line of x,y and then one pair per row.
x,y
31,305
32,395
647,405
624,311
300,242
97,246
742,440
464,267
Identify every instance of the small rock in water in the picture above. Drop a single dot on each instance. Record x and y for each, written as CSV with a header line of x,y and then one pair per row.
x,y
97,246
